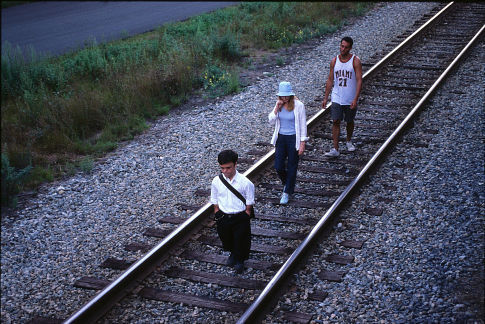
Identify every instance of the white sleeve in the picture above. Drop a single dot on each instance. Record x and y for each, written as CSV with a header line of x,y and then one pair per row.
x,y
272,116
303,130
213,199
249,193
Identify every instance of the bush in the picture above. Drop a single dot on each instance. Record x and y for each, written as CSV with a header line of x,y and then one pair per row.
x,y
86,165
12,181
226,47
219,82
84,102
89,62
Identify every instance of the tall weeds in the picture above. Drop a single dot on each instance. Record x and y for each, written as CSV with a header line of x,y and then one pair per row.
x,y
61,109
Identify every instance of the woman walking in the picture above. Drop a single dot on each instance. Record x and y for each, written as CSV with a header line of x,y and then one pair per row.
x,y
289,137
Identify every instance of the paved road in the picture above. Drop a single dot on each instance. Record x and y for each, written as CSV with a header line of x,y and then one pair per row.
x,y
60,26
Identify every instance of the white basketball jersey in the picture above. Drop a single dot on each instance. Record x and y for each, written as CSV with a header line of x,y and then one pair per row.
x,y
344,82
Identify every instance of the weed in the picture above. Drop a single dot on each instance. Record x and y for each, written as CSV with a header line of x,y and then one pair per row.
x,y
86,165
226,47
162,110
219,82
69,169
86,101
12,181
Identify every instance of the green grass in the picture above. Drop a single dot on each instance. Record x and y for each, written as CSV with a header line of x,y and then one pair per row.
x,y
58,111
7,4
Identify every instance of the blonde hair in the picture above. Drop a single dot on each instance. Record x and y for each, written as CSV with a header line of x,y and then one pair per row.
x,y
291,103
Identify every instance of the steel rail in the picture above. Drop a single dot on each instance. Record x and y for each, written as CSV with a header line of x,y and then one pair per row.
x,y
389,55
252,313
102,302
129,279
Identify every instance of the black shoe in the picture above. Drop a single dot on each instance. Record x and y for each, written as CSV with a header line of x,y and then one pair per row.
x,y
239,267
231,260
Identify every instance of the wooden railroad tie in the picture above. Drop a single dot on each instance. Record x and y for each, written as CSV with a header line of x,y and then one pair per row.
x,y
325,193
340,259
45,320
336,276
296,203
352,244
221,259
168,296
192,300
264,248
215,278
374,211
297,317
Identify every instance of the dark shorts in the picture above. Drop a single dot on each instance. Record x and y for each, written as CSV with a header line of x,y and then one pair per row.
x,y
342,112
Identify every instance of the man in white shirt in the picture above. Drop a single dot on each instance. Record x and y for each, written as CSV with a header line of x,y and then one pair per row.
x,y
231,213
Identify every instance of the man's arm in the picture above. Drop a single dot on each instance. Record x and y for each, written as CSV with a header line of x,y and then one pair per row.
x,y
329,84
358,75
249,197
213,198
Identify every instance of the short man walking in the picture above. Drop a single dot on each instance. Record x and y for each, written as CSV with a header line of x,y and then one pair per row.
x,y
346,78
231,212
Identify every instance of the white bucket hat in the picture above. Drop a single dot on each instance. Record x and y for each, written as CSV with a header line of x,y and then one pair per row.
x,y
285,89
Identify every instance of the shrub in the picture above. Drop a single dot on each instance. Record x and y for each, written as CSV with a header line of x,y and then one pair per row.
x,y
12,181
86,101
226,47
89,62
40,175
162,110
219,82
86,165
69,169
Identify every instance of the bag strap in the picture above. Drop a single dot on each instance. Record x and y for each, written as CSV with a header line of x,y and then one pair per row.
x,y
233,190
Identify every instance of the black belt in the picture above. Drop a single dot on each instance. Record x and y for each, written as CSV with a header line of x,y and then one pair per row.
x,y
229,216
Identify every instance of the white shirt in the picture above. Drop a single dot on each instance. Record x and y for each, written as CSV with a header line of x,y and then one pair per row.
x,y
228,202
344,82
300,124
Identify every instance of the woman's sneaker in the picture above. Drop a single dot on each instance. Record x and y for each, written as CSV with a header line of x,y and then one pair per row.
x,y
350,146
284,198
333,152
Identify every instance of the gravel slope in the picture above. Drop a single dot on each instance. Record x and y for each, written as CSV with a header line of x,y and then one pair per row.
x,y
72,226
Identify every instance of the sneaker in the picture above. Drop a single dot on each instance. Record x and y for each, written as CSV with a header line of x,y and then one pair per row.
x,y
239,267
231,260
284,198
333,152
350,146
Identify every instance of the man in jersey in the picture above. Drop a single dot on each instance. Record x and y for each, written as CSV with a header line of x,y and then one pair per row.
x,y
231,214
346,79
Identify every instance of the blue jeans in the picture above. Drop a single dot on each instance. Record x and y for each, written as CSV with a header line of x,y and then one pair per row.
x,y
285,150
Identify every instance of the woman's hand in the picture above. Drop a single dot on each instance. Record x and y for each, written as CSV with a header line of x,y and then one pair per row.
x,y
302,148
279,104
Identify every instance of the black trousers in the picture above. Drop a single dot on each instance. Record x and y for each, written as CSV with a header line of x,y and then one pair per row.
x,y
235,234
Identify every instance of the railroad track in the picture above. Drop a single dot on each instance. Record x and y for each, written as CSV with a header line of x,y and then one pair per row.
x,y
394,89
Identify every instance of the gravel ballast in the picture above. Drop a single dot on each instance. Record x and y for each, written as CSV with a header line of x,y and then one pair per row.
x,y
70,227
423,258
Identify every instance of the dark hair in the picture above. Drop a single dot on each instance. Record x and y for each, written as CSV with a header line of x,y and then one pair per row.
x,y
348,40
227,156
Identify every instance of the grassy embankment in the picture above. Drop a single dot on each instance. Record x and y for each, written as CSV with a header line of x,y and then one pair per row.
x,y
7,4
59,114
